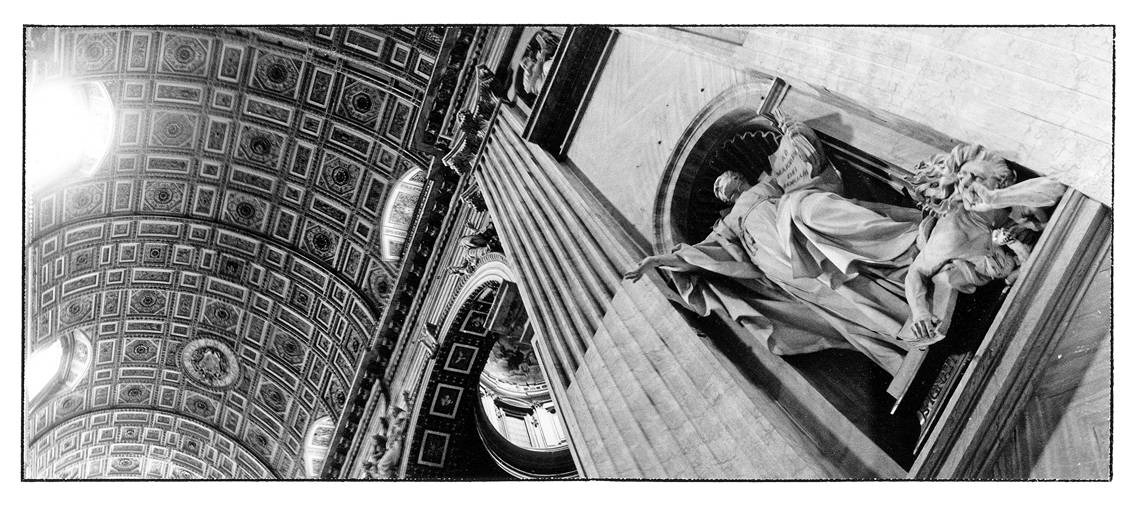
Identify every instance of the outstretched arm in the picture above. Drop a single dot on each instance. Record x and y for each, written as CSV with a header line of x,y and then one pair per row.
x,y
918,297
669,261
1036,192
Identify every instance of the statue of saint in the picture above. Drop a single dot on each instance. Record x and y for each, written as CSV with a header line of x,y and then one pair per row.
x,y
796,263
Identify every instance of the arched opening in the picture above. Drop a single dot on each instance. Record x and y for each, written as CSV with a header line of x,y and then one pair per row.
x,y
486,402
726,135
80,112
41,368
400,212
56,367
317,441
736,142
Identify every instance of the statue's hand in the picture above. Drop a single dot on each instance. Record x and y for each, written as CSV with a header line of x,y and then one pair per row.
x,y
979,198
926,328
644,266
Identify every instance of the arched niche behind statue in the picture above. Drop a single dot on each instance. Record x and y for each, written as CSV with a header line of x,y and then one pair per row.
x,y
734,144
727,134
730,133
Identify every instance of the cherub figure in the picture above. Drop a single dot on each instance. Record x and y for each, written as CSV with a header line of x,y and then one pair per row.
x,y
966,247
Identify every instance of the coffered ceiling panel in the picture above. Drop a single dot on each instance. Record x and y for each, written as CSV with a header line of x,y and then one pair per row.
x,y
226,257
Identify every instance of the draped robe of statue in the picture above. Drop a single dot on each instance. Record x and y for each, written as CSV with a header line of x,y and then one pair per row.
x,y
807,270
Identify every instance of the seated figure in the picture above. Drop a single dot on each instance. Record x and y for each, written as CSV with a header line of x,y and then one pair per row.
x,y
979,228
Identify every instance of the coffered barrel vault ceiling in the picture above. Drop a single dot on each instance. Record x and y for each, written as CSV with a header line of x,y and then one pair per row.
x,y
227,259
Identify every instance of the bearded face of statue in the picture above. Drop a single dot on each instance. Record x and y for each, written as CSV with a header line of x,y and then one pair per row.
x,y
991,175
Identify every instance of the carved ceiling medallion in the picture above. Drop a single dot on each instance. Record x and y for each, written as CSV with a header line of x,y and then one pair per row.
x,y
83,201
147,302
245,210
289,349
320,242
276,73
134,394
273,397
200,406
163,196
95,52
379,285
260,441
220,314
125,465
185,55
77,310
361,102
211,363
70,404
339,176
259,146
173,130
82,260
336,395
141,350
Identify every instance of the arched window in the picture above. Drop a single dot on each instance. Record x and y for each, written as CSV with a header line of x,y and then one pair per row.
x,y
41,368
57,366
317,442
400,212
84,113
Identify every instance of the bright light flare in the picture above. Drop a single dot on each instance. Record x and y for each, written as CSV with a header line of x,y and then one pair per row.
x,y
69,129
41,367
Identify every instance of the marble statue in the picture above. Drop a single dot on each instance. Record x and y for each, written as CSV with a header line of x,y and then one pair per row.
x,y
796,263
486,239
388,446
537,59
980,227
